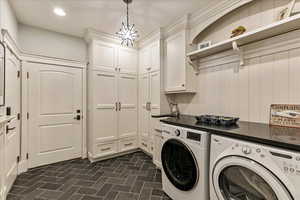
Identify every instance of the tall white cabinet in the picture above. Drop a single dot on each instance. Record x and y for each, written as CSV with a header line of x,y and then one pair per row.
x,y
112,99
152,98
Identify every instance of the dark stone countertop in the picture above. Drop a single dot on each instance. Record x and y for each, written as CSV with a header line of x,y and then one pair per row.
x,y
282,137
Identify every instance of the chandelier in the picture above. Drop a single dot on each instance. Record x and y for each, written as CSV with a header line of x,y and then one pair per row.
x,y
127,32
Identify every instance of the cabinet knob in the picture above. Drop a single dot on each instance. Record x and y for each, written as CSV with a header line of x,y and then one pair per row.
x,y
183,85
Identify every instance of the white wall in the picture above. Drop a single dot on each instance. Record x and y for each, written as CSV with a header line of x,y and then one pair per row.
x,y
47,43
8,19
270,76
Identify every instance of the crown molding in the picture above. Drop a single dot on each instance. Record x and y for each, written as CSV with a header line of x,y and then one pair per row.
x,y
179,25
23,56
92,35
154,36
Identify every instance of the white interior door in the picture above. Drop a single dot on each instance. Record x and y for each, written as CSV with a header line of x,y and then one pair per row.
x,y
55,100
144,113
12,134
127,87
105,124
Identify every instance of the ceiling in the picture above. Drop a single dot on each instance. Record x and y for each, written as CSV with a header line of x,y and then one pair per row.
x,y
102,15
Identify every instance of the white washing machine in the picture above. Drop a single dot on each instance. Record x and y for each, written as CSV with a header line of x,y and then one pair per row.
x,y
247,171
185,161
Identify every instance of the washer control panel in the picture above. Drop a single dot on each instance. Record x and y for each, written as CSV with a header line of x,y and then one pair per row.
x,y
189,135
289,162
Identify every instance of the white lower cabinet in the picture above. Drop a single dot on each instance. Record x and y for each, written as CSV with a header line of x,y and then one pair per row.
x,y
127,144
105,149
8,158
112,118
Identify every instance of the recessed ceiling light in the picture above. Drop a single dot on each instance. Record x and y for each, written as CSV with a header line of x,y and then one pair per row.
x,y
59,12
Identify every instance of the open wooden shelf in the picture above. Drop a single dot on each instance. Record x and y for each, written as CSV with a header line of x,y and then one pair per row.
x,y
274,29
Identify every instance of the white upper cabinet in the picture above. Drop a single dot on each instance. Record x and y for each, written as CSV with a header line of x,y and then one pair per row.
x,y
179,77
110,57
150,58
127,60
103,56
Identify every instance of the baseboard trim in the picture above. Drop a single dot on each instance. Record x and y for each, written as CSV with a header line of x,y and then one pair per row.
x,y
22,167
92,159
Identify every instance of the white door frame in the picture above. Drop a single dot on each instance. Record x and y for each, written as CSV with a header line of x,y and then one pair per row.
x,y
27,58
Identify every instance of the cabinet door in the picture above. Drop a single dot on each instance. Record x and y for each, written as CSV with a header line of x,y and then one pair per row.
x,y
127,90
157,148
144,113
12,137
145,60
127,60
103,56
155,92
175,63
155,56
105,123
155,100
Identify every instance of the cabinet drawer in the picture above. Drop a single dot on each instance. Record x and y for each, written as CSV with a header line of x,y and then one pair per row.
x,y
127,144
105,149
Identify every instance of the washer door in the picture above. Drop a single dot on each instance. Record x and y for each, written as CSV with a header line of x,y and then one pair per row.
x,y
239,178
179,164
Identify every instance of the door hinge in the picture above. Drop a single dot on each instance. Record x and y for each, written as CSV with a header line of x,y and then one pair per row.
x,y
27,156
19,74
18,159
27,115
19,116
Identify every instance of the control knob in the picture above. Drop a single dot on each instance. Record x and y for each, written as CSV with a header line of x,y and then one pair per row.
x,y
246,150
177,132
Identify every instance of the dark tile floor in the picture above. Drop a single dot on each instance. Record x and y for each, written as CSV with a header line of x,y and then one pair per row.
x,y
129,177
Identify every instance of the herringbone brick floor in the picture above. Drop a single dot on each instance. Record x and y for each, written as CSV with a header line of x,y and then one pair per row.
x,y
129,177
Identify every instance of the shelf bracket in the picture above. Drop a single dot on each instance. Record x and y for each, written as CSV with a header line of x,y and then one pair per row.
x,y
240,52
195,66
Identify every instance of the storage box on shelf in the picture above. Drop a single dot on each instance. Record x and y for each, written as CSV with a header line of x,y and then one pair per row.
x,y
179,76
274,29
112,99
152,98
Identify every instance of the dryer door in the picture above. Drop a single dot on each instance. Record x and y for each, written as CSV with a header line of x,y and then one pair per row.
x,y
239,178
179,165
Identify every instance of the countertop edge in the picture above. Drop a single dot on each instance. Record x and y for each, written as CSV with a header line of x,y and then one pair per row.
x,y
254,139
